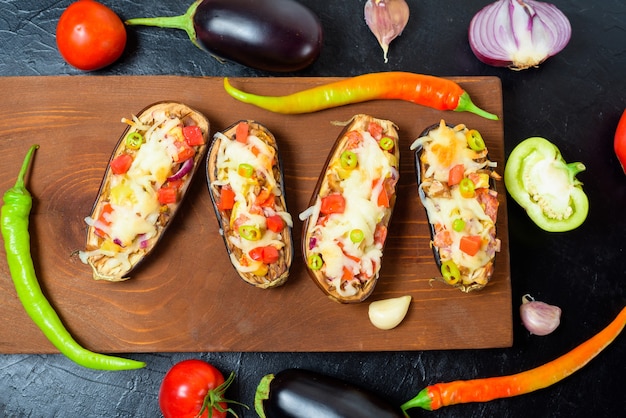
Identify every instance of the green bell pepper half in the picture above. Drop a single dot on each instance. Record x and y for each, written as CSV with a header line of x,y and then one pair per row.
x,y
541,182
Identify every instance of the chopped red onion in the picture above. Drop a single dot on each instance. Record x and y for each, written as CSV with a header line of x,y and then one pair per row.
x,y
518,34
184,169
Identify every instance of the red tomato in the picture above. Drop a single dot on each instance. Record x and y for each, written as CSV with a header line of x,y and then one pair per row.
x,y
227,199
90,36
193,135
267,254
275,223
167,195
241,133
455,175
333,203
187,385
620,141
121,164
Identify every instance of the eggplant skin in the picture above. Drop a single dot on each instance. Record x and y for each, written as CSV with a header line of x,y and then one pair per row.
x,y
269,35
299,393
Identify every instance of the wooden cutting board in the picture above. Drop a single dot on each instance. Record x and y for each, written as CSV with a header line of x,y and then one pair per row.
x,y
187,297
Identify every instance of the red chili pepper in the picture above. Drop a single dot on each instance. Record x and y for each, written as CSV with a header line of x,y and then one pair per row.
x,y
620,141
438,93
482,390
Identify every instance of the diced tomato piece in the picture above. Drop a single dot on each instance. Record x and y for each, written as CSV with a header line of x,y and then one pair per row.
x,y
275,223
193,135
167,195
375,129
256,253
227,199
380,234
270,254
354,139
470,244
442,239
333,203
107,209
121,163
455,175
265,198
383,196
241,133
347,274
267,254
185,152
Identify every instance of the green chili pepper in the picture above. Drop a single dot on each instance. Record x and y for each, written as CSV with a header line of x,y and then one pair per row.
x,y
450,272
458,224
348,160
315,262
541,182
134,140
387,143
435,92
356,236
245,170
250,232
467,188
475,140
14,225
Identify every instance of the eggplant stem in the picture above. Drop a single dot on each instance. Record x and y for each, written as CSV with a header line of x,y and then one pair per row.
x,y
183,22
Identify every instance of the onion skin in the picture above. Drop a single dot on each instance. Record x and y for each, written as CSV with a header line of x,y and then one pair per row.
x,y
538,317
518,34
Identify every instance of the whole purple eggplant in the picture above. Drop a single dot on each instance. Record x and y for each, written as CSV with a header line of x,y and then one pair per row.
x,y
269,35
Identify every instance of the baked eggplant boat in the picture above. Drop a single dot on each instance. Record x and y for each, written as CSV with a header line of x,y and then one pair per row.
x,y
345,225
246,184
144,184
456,184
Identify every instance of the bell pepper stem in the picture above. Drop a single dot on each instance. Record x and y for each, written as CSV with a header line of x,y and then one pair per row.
x,y
466,105
183,22
421,400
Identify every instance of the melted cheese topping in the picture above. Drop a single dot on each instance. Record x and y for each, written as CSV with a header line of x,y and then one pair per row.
x,y
360,188
262,157
133,221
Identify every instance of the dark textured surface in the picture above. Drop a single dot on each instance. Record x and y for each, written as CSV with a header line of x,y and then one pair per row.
x,y
574,99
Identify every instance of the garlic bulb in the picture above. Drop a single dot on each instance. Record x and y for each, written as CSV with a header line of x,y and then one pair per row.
x,y
386,19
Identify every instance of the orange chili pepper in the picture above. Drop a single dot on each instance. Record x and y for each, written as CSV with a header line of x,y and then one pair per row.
x,y
438,93
482,390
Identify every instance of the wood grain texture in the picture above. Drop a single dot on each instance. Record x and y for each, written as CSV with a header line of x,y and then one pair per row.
x,y
187,297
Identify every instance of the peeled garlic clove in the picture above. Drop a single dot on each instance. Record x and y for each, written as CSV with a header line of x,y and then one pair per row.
x,y
386,19
538,317
388,313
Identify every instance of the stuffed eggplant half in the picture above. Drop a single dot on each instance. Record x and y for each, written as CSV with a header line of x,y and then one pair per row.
x,y
456,184
246,184
144,184
345,225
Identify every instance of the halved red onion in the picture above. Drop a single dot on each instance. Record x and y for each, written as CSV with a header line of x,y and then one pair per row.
x,y
184,169
518,34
